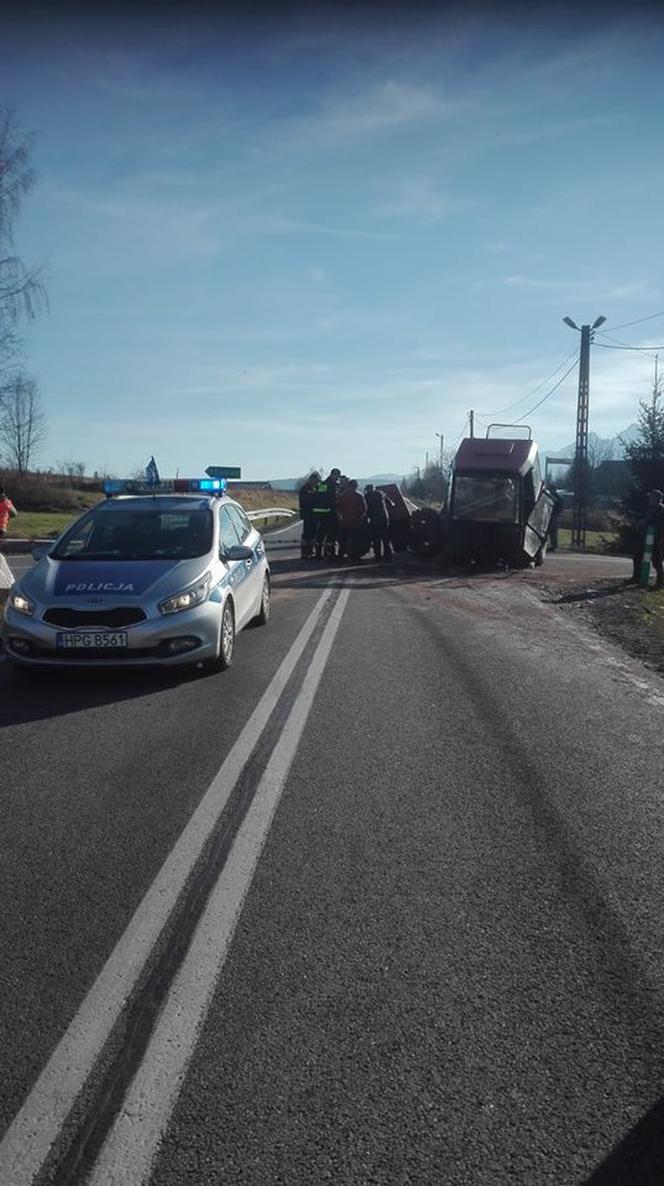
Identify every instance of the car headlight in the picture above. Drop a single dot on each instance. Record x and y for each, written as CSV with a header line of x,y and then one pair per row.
x,y
188,598
21,603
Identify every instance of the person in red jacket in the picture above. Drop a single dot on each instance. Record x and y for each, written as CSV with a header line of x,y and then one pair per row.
x,y
352,511
7,512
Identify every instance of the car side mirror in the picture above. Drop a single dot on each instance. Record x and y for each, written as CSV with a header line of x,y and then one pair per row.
x,y
237,552
40,551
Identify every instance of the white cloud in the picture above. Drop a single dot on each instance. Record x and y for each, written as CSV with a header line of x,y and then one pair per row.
x,y
385,107
274,224
184,225
420,200
581,289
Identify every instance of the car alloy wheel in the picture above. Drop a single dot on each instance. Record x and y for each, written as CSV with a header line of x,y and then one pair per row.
x,y
227,645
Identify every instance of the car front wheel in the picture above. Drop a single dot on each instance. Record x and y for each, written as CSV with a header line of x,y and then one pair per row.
x,y
226,649
264,612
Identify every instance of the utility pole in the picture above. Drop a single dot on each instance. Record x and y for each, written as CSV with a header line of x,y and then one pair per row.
x,y
471,418
581,447
580,508
441,439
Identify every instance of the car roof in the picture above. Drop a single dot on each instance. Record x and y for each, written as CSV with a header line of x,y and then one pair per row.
x,y
159,502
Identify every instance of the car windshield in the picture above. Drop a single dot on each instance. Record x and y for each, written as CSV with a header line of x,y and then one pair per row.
x,y
121,534
485,498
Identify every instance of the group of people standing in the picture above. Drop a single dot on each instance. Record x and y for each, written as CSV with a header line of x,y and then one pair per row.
x,y
338,522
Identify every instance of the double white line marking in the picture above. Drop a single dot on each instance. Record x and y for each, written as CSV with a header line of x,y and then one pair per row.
x,y
131,1146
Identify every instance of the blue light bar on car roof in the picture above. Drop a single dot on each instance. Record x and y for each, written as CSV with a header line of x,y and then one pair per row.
x,y
166,486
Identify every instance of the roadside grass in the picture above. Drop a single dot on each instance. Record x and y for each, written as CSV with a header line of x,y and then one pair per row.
x,y
39,524
256,500
596,541
651,605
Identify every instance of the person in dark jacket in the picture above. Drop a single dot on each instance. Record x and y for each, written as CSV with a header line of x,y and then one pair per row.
x,y
654,516
351,510
379,522
306,499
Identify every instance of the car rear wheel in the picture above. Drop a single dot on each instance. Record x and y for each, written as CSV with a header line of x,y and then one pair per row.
x,y
264,612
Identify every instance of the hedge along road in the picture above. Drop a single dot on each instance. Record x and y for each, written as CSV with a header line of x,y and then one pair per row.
x,y
446,961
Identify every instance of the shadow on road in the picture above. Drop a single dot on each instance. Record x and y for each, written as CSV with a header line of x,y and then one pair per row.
x,y
35,695
639,1159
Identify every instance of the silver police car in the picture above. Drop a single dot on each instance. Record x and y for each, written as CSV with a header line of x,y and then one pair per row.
x,y
147,580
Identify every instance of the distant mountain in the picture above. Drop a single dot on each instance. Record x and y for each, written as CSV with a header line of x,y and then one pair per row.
x,y
376,479
602,448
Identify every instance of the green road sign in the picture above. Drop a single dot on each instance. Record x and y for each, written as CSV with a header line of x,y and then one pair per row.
x,y
223,471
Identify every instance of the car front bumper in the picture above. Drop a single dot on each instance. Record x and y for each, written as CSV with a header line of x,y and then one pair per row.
x,y
31,642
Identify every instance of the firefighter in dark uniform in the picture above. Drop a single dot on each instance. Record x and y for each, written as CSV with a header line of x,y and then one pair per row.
x,y
324,508
306,501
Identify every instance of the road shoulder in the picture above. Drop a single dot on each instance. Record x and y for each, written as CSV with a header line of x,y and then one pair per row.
x,y
627,615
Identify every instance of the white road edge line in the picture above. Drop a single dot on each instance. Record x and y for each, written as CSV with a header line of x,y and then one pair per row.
x,y
127,1156
28,1139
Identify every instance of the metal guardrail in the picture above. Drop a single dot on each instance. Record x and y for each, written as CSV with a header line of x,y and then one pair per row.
x,y
271,513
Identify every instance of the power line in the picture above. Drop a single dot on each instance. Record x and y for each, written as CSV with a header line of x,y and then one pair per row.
x,y
549,393
460,436
639,320
530,394
639,349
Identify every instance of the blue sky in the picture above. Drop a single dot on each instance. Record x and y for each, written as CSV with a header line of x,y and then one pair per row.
x,y
320,240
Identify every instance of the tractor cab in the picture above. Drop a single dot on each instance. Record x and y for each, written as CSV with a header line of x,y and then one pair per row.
x,y
499,508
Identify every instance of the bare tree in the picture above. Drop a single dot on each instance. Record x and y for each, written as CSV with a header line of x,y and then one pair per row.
x,y
601,450
22,423
22,290
70,468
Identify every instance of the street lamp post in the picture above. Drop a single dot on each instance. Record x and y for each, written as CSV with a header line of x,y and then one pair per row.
x,y
441,438
581,446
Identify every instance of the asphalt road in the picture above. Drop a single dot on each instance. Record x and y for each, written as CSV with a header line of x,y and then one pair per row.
x,y
382,904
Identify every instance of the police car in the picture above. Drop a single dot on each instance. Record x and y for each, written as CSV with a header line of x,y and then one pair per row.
x,y
143,579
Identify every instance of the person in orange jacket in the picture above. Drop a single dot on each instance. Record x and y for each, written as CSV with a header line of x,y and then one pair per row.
x,y
7,512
